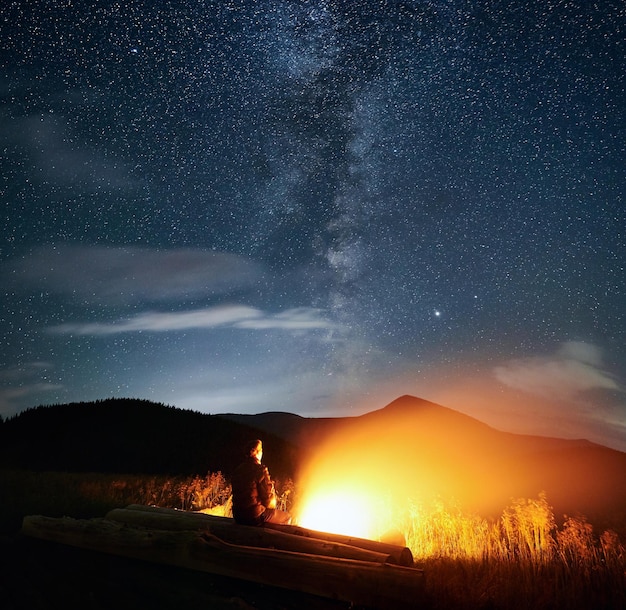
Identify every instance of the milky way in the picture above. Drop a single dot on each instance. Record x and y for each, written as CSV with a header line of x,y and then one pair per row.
x,y
316,206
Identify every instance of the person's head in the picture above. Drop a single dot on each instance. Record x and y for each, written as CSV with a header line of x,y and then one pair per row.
x,y
255,449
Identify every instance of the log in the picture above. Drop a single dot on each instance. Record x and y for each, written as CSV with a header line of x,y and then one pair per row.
x,y
227,530
363,583
400,555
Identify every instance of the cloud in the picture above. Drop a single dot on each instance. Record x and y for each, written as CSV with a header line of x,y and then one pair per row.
x,y
262,387
16,373
24,381
119,276
232,316
574,368
60,158
299,318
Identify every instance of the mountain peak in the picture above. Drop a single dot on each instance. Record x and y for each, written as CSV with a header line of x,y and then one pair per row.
x,y
410,407
407,401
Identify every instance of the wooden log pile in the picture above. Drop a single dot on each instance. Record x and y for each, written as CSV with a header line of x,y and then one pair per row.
x,y
361,572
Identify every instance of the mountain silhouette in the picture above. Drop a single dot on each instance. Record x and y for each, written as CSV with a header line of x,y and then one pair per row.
x,y
409,446
131,436
430,446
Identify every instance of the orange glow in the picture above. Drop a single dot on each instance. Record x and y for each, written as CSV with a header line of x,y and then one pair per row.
x,y
360,481
363,480
338,511
440,480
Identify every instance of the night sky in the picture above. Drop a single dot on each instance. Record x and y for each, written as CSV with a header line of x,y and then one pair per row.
x,y
315,207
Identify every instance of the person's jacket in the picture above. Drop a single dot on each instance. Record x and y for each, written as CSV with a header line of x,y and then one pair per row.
x,y
253,491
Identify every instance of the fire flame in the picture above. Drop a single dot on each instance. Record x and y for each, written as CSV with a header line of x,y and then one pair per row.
x,y
347,489
340,511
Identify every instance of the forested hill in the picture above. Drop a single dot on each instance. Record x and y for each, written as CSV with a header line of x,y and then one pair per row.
x,y
132,436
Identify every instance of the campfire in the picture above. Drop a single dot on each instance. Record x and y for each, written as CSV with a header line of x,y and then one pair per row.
x,y
348,490
346,511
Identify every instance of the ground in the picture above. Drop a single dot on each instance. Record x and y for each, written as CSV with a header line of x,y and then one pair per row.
x,y
40,575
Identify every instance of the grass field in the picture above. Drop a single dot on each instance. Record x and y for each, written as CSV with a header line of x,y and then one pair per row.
x,y
521,560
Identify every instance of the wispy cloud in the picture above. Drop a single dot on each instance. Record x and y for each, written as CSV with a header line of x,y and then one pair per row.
x,y
233,316
24,381
299,318
19,372
574,368
59,156
118,276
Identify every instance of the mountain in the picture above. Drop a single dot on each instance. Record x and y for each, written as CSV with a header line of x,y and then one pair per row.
x,y
409,448
413,447
304,432
131,436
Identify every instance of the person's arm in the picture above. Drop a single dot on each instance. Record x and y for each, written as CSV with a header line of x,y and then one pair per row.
x,y
267,494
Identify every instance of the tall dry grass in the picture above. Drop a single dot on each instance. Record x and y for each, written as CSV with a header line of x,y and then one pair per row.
x,y
521,560
86,495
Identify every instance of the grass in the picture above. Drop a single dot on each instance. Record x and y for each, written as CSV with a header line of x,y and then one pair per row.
x,y
87,495
521,560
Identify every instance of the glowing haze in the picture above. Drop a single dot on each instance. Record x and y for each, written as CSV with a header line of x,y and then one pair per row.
x,y
366,477
360,478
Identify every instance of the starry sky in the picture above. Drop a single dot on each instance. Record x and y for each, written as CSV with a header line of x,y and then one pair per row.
x,y
317,206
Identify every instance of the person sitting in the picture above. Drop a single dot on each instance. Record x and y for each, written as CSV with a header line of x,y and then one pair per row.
x,y
254,496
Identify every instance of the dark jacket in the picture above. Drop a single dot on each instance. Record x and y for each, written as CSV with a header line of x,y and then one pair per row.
x,y
253,492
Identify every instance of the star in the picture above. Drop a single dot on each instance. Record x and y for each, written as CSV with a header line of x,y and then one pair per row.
x,y
266,203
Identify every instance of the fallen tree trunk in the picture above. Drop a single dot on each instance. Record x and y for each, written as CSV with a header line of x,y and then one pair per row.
x,y
399,555
227,530
362,583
